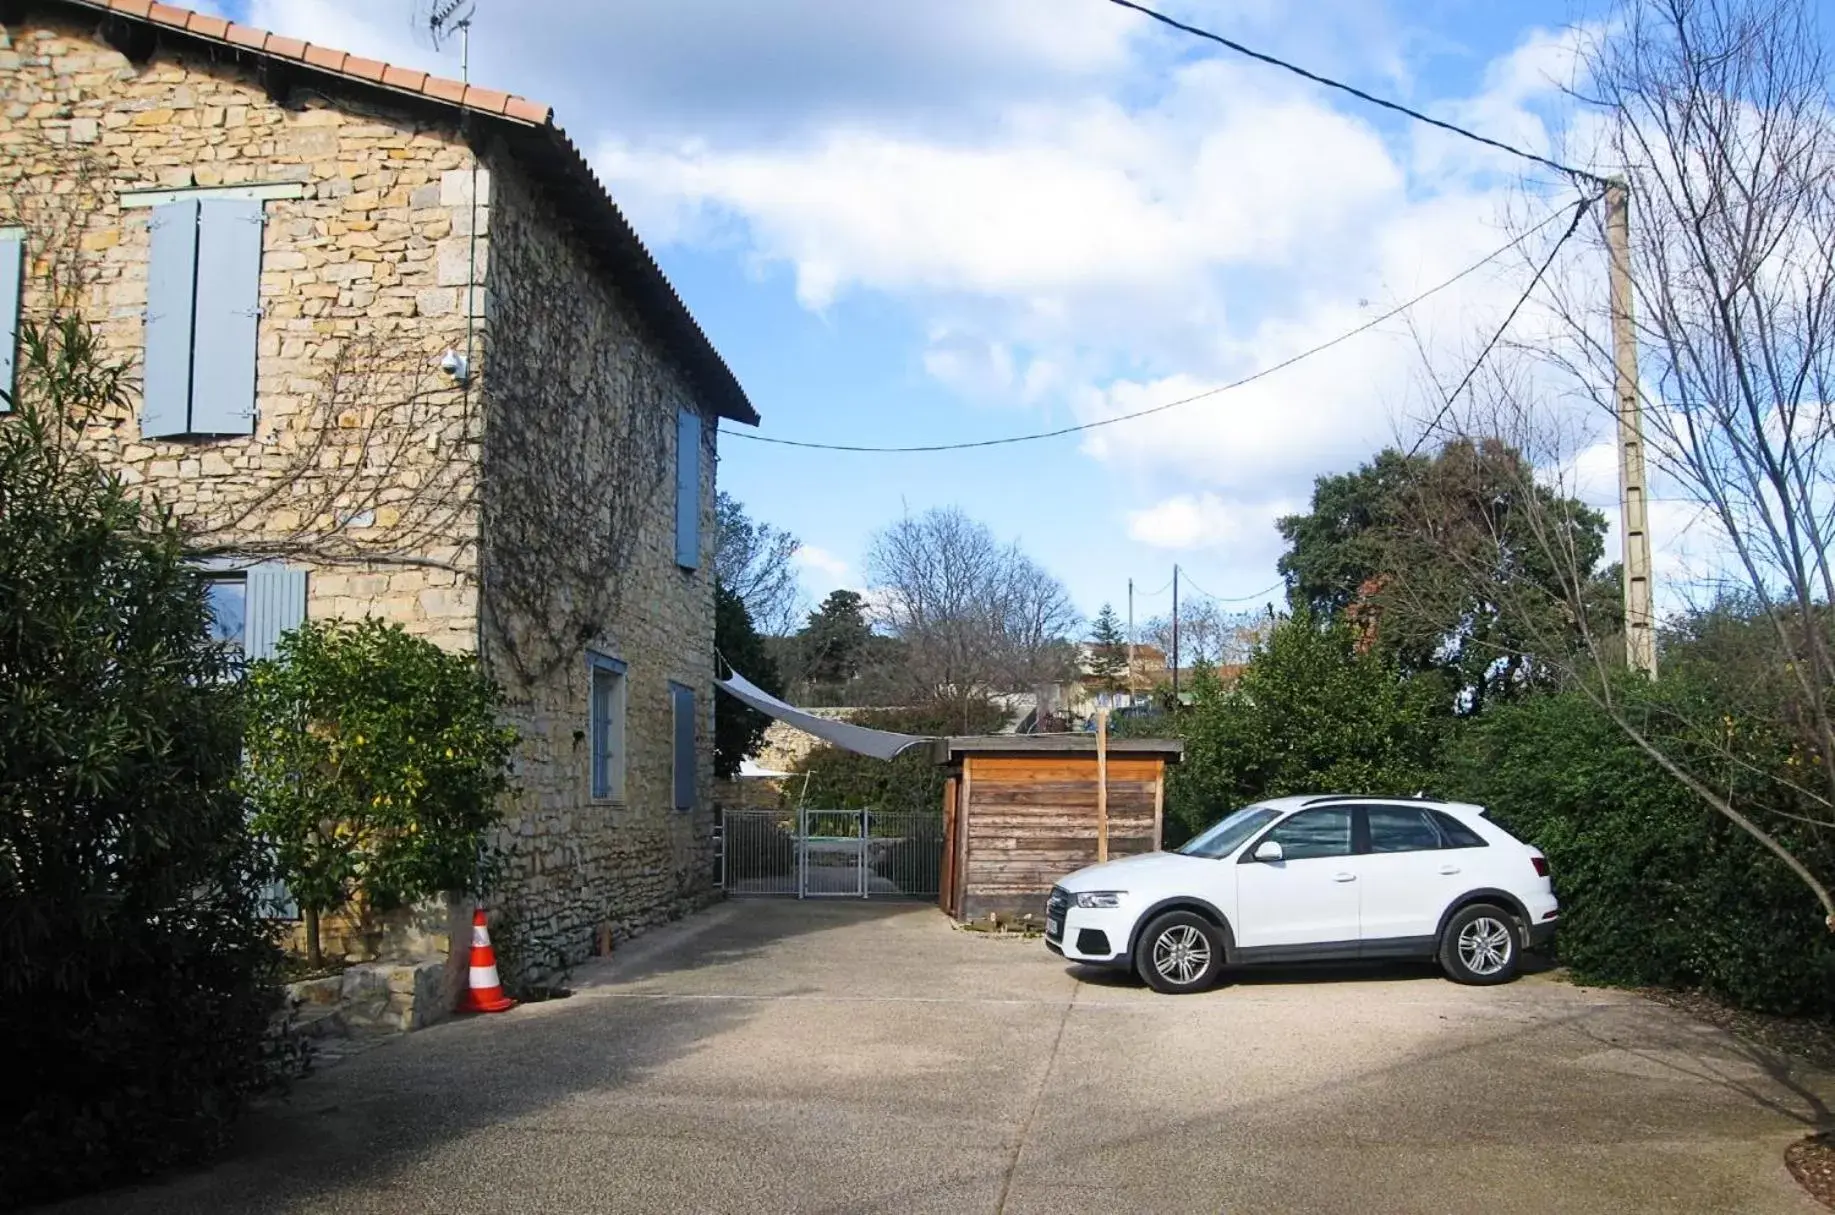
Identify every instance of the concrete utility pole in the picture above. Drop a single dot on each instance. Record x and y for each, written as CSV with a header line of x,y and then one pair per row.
x,y
1130,641
1634,523
1175,639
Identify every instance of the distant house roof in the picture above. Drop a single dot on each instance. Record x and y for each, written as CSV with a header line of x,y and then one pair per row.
x,y
949,750
529,133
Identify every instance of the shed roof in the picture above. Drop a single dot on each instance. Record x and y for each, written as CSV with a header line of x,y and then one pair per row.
x,y
532,138
949,750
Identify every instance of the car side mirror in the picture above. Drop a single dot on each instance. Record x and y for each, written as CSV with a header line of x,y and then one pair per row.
x,y
1268,850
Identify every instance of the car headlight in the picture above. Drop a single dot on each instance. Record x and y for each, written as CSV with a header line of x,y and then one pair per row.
x,y
1100,898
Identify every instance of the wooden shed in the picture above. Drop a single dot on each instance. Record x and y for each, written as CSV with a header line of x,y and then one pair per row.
x,y
1022,810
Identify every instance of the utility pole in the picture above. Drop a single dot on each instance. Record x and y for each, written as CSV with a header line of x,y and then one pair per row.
x,y
1634,523
1175,638
1130,642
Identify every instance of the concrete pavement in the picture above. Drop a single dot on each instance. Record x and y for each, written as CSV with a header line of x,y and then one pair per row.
x,y
831,1057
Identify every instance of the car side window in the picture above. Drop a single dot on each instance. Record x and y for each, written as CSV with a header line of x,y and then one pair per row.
x,y
1314,833
1457,834
1402,829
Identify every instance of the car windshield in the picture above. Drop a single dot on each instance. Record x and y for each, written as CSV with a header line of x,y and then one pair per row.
x,y
1227,836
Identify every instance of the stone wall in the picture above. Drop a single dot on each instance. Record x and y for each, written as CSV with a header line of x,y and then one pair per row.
x,y
364,467
361,467
579,514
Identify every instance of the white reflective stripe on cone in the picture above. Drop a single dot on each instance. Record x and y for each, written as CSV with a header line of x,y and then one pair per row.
x,y
484,976
480,935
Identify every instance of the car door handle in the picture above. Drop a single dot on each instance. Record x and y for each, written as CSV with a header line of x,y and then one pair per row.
x,y
1449,870
1344,877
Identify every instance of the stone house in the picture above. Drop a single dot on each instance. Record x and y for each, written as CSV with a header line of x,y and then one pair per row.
x,y
397,352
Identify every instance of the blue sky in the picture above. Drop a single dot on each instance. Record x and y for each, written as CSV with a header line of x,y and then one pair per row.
x,y
910,223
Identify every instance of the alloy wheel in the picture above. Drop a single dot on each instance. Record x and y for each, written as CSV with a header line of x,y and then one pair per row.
x,y
1484,946
1181,953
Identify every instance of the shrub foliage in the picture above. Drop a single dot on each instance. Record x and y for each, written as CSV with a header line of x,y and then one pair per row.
x,y
374,761
136,971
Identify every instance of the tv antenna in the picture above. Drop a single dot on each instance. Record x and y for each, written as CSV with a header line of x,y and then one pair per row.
x,y
444,18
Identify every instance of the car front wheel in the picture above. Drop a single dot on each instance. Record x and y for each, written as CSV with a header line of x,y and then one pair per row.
x,y
1480,946
1180,952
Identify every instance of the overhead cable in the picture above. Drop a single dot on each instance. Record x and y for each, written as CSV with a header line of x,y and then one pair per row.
x,y
1498,336
1358,93
1259,595
1251,378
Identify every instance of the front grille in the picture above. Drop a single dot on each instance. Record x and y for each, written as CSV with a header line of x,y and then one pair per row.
x,y
1058,903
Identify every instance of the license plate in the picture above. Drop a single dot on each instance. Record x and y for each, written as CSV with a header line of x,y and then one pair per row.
x,y
1054,928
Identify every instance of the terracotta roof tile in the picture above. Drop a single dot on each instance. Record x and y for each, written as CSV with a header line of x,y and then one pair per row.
x,y
523,110
327,58
442,89
249,36
365,69
206,26
373,71
486,99
403,78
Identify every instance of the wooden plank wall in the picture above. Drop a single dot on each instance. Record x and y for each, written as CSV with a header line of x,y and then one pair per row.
x,y
1031,820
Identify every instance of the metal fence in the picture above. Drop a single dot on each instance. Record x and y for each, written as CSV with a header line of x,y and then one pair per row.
x,y
808,853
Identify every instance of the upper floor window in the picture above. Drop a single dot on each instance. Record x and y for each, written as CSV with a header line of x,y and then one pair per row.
x,y
688,489
203,311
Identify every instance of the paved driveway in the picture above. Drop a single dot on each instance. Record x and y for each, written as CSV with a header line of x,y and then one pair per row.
x,y
846,1057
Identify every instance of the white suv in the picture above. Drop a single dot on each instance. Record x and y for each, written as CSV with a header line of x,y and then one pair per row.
x,y
1314,878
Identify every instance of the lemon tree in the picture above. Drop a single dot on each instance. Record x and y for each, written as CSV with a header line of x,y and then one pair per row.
x,y
373,760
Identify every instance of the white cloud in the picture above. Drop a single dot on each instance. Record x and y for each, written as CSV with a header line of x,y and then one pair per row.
x,y
1205,520
814,559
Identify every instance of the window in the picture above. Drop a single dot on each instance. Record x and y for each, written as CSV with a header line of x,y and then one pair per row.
x,y
606,725
1226,836
1457,834
227,597
203,310
252,606
688,489
1314,833
1402,829
685,767
12,282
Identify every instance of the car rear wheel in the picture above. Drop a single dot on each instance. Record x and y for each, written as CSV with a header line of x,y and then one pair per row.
x,y
1480,946
1179,952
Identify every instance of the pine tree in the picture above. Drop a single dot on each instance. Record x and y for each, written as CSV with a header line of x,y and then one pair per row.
x,y
1108,661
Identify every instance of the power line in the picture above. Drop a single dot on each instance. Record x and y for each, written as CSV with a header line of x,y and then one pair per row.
x,y
1210,392
1522,299
1358,93
1261,594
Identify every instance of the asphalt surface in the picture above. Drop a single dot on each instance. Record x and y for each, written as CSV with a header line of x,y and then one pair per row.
x,y
831,1057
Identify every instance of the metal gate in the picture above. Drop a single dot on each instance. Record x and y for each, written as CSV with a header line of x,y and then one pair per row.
x,y
856,854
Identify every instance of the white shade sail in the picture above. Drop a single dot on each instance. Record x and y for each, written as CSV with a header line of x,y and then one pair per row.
x,y
880,744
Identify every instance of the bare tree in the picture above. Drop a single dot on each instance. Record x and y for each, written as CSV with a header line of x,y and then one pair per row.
x,y
1721,113
753,560
1207,634
976,616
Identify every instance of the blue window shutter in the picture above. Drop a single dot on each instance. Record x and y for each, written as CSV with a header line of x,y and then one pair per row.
x,y
688,489
12,282
684,746
276,603
228,314
172,267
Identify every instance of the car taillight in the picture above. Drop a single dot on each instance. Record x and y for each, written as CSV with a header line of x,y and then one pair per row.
x,y
1541,864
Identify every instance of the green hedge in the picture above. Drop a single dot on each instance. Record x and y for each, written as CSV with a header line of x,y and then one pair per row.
x,y
1656,888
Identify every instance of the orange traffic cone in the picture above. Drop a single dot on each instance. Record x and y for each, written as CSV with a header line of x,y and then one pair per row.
x,y
485,994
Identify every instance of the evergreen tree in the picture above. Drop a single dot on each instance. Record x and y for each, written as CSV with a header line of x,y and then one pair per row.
x,y
1108,661
737,728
